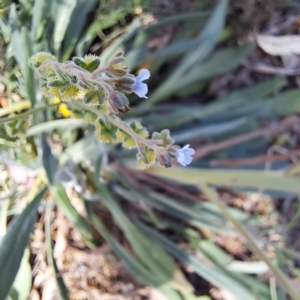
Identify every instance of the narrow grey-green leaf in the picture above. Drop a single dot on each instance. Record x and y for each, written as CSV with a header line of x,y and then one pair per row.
x,y
14,243
61,14
216,275
48,159
40,9
207,41
72,215
239,178
49,126
75,26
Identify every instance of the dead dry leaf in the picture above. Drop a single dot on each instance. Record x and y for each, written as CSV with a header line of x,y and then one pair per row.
x,y
279,45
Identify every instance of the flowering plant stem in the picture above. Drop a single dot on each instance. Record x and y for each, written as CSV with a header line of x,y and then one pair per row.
x,y
121,125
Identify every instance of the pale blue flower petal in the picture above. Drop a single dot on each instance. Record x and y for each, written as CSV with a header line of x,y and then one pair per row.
x,y
190,151
188,159
185,147
184,155
180,158
141,89
143,75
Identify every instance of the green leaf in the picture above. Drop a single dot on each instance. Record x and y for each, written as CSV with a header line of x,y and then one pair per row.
x,y
95,98
21,45
39,18
118,44
216,275
221,62
85,150
158,263
209,130
51,125
206,43
63,291
22,115
72,215
48,159
233,178
22,284
3,217
132,265
61,15
178,115
57,83
14,243
76,24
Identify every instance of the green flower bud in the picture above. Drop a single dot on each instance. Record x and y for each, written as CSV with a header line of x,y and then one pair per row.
x,y
164,136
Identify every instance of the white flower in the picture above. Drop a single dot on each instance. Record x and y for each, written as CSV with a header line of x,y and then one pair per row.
x,y
184,155
140,88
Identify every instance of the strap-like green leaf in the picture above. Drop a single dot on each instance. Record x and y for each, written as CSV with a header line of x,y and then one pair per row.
x,y
14,243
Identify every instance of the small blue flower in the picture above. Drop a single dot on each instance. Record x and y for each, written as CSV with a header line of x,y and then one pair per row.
x,y
140,88
184,155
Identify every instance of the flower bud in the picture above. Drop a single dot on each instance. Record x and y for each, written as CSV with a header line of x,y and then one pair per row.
x,y
126,83
117,60
117,71
172,150
119,103
115,67
164,136
165,160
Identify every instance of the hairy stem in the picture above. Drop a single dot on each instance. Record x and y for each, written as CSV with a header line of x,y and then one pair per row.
x,y
123,126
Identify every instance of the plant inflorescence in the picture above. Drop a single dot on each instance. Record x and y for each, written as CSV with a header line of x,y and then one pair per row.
x,y
98,94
